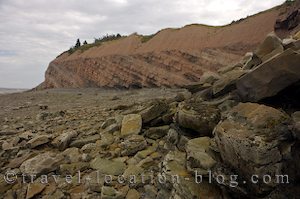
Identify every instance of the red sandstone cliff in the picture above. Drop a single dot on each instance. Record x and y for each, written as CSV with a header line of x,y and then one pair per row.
x,y
173,57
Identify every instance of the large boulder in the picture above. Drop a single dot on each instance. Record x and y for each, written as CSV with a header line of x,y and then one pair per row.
x,y
255,140
153,111
270,47
270,77
200,157
41,164
197,117
131,124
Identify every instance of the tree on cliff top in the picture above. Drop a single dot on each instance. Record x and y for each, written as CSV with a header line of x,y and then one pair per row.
x,y
78,44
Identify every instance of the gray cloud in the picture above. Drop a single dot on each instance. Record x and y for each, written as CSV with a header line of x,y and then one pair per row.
x,y
34,32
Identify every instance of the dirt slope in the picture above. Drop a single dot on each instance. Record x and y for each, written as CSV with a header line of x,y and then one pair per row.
x,y
173,57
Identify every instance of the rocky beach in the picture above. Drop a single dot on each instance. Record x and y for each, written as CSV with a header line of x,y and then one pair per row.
x,y
197,112
233,134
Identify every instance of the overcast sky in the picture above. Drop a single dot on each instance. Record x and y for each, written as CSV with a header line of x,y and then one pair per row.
x,y
34,32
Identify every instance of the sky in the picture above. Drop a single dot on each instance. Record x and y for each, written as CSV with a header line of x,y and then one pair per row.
x,y
34,32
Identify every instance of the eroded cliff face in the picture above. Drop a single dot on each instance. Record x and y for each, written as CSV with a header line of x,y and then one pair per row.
x,y
173,57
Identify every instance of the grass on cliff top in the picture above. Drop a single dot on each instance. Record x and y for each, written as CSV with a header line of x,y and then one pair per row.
x,y
97,42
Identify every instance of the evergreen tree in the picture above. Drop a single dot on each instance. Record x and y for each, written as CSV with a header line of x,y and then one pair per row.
x,y
84,43
78,44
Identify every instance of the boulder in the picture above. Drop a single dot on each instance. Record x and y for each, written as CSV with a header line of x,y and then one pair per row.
x,y
133,144
133,194
255,140
34,189
71,155
270,77
106,139
4,186
38,140
154,110
109,167
41,164
270,47
80,142
197,117
131,124
62,141
110,193
157,132
199,155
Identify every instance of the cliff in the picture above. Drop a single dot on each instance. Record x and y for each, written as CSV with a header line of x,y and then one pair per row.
x,y
170,58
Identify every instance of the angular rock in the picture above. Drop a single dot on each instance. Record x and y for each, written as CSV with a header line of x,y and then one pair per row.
x,y
133,170
71,155
108,122
16,162
297,36
110,193
4,186
270,47
41,164
38,140
34,189
227,82
63,140
197,117
174,164
133,194
131,124
109,167
229,68
106,139
73,168
270,77
209,78
153,111
188,188
252,62
133,144
255,139
200,155
83,141
156,132
112,128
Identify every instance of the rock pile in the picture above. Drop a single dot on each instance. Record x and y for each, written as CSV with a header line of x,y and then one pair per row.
x,y
229,139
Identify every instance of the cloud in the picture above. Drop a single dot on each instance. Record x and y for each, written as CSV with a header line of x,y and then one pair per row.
x,y
34,32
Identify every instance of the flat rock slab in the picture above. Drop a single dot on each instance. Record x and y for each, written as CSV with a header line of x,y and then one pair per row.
x,y
109,167
270,77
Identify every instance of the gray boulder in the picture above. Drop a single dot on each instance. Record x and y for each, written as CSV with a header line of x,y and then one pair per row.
x,y
270,47
197,117
270,77
255,139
